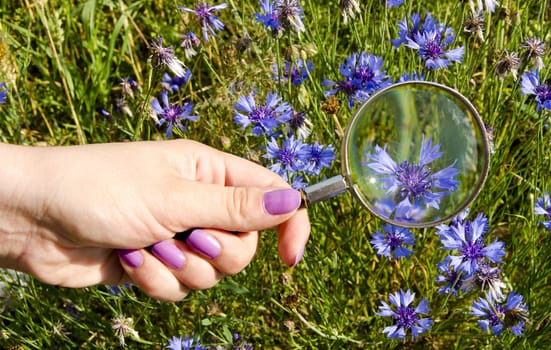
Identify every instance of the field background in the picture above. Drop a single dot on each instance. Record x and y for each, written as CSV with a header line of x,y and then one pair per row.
x,y
63,62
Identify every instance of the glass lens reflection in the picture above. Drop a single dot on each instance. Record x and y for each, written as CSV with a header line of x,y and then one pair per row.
x,y
416,154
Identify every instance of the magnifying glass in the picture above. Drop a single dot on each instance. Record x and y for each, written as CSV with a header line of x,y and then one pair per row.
x,y
415,154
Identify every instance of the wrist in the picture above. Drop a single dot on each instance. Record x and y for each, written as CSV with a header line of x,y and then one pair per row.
x,y
17,218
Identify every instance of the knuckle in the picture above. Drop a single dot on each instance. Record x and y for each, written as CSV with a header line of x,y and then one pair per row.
x,y
238,204
237,263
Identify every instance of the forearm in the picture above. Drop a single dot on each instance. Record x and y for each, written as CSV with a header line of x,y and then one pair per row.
x,y
16,215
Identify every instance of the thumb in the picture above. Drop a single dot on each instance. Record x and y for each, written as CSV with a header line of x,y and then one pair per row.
x,y
232,208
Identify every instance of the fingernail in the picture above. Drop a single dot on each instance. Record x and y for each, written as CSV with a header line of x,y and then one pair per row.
x,y
130,257
281,201
169,254
204,243
298,257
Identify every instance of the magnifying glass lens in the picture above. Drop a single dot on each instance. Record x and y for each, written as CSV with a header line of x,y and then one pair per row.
x,y
416,154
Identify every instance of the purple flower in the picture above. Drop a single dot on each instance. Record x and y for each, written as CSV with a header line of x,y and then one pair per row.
x,y
467,239
411,76
412,185
189,42
281,14
452,278
499,315
172,115
405,315
205,14
3,93
177,343
394,3
175,83
300,124
288,158
263,118
164,57
362,75
487,278
392,243
406,32
296,72
319,157
431,46
530,85
543,207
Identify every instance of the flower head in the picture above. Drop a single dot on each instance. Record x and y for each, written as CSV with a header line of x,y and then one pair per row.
x,y
3,93
475,25
530,85
288,158
534,49
296,72
543,207
508,63
179,343
362,75
164,57
175,83
432,48
452,278
319,157
414,184
501,315
487,278
300,124
467,239
405,31
263,118
392,242
189,42
281,14
405,315
171,114
348,9
123,327
205,14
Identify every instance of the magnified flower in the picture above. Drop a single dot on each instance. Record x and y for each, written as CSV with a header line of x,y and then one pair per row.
x,y
392,242
263,118
164,57
172,115
362,75
467,238
543,207
205,14
530,85
410,184
498,316
405,315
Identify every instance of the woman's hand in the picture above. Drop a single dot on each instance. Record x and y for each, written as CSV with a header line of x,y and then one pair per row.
x,y
67,213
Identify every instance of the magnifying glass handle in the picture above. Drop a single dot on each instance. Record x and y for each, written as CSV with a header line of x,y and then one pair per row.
x,y
323,190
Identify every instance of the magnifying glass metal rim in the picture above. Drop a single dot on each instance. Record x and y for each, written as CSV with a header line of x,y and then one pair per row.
x,y
341,183
346,171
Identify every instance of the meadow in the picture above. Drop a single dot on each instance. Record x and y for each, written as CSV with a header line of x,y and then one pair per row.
x,y
77,72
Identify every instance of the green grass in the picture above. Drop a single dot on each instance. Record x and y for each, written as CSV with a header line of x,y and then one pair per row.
x,y
63,62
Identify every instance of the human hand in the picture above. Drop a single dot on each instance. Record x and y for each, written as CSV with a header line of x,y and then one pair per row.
x,y
67,211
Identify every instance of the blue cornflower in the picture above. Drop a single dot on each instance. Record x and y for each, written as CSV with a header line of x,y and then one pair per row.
x,y
500,315
467,238
298,183
179,343
172,115
412,185
362,75
175,83
452,278
530,85
289,158
164,57
392,243
411,76
281,14
405,315
406,32
543,207
296,72
432,46
205,14
319,157
3,93
394,3
263,118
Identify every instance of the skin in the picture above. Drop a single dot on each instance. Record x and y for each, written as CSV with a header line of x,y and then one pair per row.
x,y
64,212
